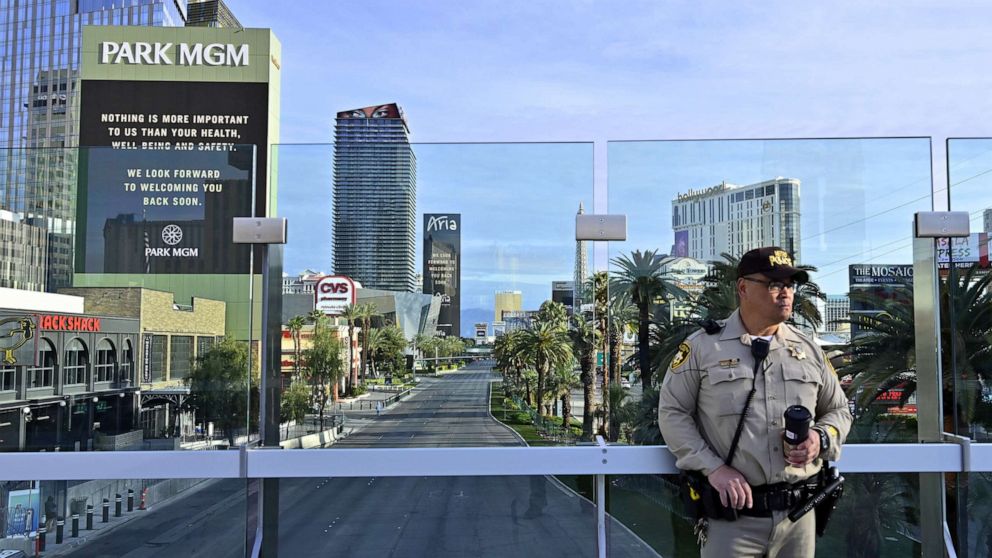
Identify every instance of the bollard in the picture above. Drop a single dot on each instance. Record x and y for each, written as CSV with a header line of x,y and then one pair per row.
x,y
59,526
89,517
106,510
130,500
42,532
75,525
144,495
117,505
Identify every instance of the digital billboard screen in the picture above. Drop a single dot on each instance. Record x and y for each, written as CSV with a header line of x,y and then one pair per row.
x,y
442,267
164,168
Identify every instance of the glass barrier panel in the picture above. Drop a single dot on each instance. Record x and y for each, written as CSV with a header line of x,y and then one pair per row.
x,y
438,516
409,270
876,516
146,344
843,208
965,330
120,517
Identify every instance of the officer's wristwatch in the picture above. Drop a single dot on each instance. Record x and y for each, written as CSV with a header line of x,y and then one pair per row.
x,y
824,440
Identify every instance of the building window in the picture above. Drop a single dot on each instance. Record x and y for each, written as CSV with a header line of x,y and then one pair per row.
x,y
127,362
76,360
6,379
106,357
158,357
180,356
203,345
44,373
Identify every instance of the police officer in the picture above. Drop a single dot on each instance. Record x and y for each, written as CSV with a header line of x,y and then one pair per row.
x,y
704,394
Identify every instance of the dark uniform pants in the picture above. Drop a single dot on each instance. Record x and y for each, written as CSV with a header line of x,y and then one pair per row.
x,y
754,537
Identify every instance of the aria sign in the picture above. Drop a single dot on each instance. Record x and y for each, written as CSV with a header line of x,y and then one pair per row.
x,y
333,294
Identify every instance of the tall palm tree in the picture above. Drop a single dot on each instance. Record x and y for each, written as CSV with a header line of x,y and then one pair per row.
x,y
295,327
564,380
622,314
667,333
640,276
315,315
547,348
585,339
351,315
365,314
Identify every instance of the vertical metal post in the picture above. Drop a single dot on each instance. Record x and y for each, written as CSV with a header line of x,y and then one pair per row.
x,y
928,391
601,515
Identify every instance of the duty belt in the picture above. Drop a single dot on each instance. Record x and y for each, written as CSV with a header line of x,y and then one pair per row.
x,y
777,497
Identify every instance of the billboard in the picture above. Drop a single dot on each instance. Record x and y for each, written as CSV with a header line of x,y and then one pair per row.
x,y
175,128
681,247
965,252
443,267
333,294
563,292
872,285
173,168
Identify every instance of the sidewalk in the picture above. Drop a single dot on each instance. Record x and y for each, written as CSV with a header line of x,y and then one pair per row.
x,y
101,529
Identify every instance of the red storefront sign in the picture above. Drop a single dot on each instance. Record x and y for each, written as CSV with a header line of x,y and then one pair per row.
x,y
68,323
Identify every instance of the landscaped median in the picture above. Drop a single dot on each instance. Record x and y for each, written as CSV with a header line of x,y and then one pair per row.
x,y
522,421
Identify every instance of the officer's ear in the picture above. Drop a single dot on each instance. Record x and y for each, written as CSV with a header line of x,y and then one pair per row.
x,y
741,287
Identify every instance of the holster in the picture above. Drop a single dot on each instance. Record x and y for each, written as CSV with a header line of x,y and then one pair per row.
x,y
701,499
826,508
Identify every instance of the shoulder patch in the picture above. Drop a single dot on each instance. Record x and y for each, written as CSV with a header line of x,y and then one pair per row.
x,y
681,357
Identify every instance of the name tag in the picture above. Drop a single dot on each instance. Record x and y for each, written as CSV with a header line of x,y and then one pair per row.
x,y
730,363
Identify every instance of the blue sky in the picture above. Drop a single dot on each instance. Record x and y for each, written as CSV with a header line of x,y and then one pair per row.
x,y
602,72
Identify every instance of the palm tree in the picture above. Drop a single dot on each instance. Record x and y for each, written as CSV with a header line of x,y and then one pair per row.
x,y
350,315
564,381
667,333
622,313
295,327
547,348
365,313
386,344
553,313
314,315
585,339
641,277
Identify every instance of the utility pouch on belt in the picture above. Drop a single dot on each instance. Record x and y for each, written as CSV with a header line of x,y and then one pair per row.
x,y
701,499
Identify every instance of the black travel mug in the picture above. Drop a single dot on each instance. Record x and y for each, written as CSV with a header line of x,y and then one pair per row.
x,y
797,419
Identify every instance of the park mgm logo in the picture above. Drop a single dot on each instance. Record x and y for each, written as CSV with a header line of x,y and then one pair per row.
x,y
169,54
172,235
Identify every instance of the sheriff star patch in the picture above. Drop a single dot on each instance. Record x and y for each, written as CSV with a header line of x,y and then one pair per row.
x,y
680,357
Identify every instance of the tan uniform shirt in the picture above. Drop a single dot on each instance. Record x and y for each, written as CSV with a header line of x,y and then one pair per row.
x,y
707,385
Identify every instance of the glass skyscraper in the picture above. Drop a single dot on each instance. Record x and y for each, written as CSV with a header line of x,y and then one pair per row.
x,y
39,117
375,198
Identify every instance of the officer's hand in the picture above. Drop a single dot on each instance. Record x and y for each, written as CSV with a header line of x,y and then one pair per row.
x,y
804,453
734,490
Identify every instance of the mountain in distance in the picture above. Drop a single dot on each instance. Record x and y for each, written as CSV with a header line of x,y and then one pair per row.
x,y
472,316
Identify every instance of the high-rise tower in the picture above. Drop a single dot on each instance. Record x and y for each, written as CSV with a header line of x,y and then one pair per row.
x,y
581,268
375,198
39,127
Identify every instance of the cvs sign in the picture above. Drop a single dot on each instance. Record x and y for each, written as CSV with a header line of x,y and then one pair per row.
x,y
333,293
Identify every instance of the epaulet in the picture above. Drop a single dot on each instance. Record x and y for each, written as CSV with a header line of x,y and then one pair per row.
x,y
711,326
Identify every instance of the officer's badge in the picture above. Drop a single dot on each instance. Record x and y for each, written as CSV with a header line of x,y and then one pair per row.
x,y
681,357
797,352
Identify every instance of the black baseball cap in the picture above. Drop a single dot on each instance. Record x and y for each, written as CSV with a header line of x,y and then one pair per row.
x,y
773,262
